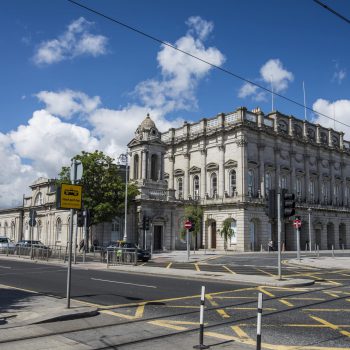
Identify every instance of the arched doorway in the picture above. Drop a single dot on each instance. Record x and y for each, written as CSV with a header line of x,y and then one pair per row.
x,y
330,235
342,236
213,234
318,232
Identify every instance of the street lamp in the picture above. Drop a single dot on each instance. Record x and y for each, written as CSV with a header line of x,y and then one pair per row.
x,y
123,158
309,211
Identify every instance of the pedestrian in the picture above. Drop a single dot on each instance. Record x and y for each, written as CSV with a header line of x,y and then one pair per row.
x,y
270,246
81,245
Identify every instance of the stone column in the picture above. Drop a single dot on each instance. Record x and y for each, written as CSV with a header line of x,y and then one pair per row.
x,y
186,177
307,177
140,165
292,172
171,160
331,170
149,165
261,160
144,164
242,185
221,177
203,183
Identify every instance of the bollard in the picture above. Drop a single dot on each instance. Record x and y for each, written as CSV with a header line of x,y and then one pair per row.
x,y
261,248
201,323
258,323
343,246
332,250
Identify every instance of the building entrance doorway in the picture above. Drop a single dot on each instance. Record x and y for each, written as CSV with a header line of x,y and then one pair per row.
x,y
157,237
213,234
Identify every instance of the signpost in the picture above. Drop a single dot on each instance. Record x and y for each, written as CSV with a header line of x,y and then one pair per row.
x,y
188,225
297,225
32,223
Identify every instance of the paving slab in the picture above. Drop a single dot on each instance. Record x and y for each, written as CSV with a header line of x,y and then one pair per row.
x,y
337,262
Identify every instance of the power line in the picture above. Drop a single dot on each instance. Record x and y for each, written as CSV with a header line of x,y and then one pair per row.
x,y
331,10
201,60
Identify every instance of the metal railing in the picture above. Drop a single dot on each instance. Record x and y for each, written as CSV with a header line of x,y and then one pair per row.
x,y
121,256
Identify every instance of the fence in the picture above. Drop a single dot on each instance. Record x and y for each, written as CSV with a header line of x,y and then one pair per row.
x,y
121,256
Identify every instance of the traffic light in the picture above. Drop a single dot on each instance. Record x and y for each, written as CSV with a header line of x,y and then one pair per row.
x,y
287,204
145,223
271,205
80,218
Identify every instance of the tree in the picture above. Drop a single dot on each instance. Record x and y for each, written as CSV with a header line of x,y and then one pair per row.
x,y
194,213
103,186
226,231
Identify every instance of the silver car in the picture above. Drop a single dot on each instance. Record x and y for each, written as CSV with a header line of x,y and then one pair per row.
x,y
6,245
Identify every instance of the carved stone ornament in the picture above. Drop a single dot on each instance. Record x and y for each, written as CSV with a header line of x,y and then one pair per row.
x,y
298,158
241,142
336,165
312,160
325,163
284,155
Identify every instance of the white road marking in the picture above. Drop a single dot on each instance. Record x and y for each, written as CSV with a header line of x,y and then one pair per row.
x,y
5,267
132,284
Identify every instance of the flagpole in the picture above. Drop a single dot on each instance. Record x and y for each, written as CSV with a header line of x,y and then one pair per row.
x,y
304,100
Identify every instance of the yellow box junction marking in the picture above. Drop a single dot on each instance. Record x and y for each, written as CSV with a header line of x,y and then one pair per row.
x,y
331,326
228,269
172,324
138,313
197,267
169,265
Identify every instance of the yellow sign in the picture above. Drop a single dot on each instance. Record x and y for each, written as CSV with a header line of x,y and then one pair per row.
x,y
71,196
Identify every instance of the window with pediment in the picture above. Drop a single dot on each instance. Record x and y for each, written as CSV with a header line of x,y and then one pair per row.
x,y
196,186
233,182
180,188
38,199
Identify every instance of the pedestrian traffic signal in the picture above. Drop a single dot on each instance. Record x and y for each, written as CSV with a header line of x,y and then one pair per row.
x,y
145,224
80,218
271,205
287,204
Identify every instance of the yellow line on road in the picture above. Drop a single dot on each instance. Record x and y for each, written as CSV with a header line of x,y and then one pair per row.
x,y
176,325
285,302
331,326
169,265
265,272
331,294
197,267
223,313
250,308
138,314
328,310
240,332
301,298
228,269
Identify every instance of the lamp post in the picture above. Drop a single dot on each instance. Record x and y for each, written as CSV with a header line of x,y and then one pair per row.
x,y
309,211
123,158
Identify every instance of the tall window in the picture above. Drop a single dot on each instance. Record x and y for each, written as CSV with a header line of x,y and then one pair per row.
x,y
233,182
312,188
5,229
268,182
298,187
324,192
337,193
13,228
250,182
58,229
38,199
154,160
136,166
214,184
116,233
180,187
196,186
348,194
284,181
39,228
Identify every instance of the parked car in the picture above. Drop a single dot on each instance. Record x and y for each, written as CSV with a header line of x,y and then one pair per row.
x,y
22,247
6,245
142,255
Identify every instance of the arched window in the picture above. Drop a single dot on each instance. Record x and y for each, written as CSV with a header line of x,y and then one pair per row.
x,y
136,166
214,185
38,199
233,183
59,229
180,188
154,160
250,182
233,239
116,233
196,186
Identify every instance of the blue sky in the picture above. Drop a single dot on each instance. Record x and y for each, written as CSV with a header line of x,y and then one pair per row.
x,y
72,80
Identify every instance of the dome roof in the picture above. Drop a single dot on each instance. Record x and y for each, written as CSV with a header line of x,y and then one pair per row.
x,y
147,123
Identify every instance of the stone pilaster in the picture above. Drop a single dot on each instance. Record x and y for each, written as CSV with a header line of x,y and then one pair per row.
x,y
221,178
203,182
186,177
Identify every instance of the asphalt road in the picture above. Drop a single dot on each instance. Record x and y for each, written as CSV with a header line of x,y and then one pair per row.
x,y
150,312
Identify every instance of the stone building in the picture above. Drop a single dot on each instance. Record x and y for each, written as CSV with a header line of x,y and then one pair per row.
x,y
226,165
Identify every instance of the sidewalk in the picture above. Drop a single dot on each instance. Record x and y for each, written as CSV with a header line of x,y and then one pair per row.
x,y
338,262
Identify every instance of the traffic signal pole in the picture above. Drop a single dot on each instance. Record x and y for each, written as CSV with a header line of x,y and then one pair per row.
x,y
279,233
298,244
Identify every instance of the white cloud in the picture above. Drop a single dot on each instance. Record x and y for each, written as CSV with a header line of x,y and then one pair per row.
x,y
50,143
339,76
340,109
75,41
272,72
274,75
67,103
181,73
